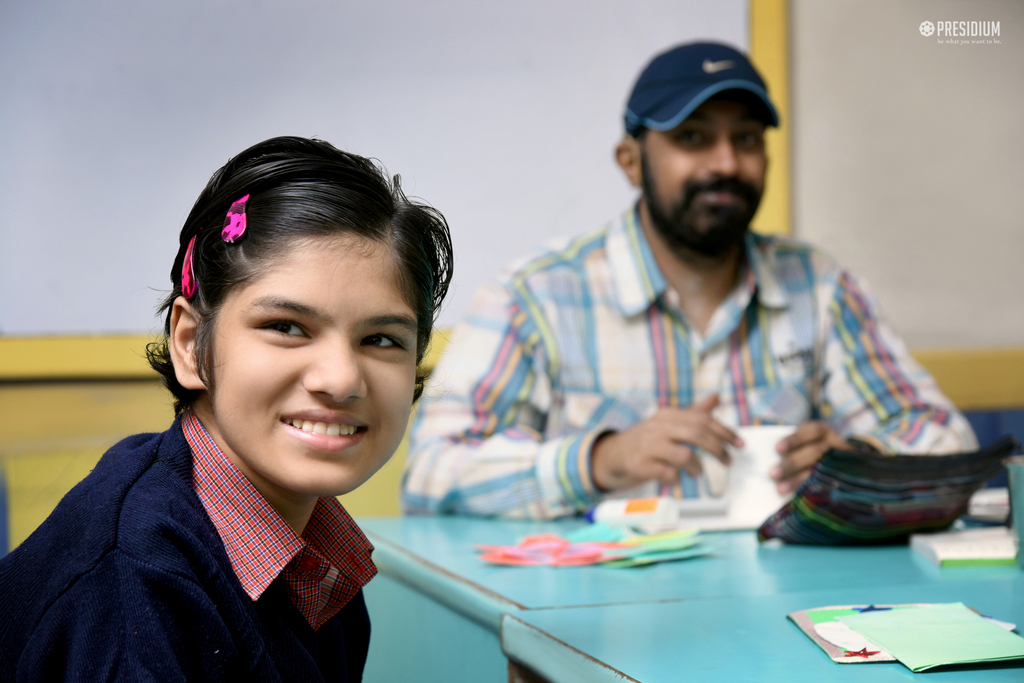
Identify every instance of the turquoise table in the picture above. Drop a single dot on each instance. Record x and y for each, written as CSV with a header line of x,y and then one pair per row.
x,y
440,614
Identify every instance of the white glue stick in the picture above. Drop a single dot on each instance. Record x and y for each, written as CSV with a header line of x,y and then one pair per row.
x,y
647,514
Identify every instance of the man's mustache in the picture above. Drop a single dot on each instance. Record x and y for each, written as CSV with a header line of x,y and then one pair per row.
x,y
743,190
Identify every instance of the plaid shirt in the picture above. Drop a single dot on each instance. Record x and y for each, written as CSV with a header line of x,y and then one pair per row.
x,y
588,337
323,569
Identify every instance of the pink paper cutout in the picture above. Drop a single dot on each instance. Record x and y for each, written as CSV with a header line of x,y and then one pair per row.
x,y
553,551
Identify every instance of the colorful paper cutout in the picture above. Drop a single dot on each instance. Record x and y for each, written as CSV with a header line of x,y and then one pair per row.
x,y
597,544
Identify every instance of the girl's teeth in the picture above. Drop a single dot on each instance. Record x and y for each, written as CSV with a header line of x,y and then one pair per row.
x,y
332,429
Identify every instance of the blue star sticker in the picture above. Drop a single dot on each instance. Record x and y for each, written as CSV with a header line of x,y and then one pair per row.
x,y
871,608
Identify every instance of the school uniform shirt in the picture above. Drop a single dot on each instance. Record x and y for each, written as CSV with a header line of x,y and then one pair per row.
x,y
129,580
322,571
589,338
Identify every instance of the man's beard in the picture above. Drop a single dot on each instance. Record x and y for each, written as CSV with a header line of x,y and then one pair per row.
x,y
710,231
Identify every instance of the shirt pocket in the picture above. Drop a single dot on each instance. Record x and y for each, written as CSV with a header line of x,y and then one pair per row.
x,y
786,403
585,411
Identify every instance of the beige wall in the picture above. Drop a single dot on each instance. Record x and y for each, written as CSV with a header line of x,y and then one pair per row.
x,y
908,161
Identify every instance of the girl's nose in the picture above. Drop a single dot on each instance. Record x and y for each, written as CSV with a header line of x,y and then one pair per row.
x,y
337,375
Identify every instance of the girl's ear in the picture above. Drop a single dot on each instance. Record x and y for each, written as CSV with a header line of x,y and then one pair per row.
x,y
182,344
627,154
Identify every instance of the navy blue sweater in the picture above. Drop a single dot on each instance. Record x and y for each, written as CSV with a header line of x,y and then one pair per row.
x,y
128,580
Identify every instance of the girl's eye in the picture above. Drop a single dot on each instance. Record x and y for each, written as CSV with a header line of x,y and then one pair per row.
x,y
382,340
288,328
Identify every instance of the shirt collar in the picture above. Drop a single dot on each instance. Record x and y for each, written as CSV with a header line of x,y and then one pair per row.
x,y
241,514
639,282
761,258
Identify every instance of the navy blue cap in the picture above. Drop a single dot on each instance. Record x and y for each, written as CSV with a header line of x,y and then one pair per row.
x,y
676,82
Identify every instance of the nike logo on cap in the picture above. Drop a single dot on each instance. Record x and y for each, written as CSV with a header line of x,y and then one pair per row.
x,y
714,67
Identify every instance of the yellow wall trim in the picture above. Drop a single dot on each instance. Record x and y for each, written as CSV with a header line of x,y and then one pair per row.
x,y
438,343
769,51
978,379
74,358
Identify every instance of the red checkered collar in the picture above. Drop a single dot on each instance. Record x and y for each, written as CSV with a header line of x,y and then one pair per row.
x,y
240,514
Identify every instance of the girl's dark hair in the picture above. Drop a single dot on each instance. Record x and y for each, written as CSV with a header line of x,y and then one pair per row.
x,y
298,189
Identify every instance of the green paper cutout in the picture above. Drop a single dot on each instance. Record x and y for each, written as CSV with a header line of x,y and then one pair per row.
x,y
926,637
597,532
659,556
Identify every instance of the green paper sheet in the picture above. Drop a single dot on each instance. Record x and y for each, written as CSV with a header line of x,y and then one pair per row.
x,y
599,531
926,637
659,556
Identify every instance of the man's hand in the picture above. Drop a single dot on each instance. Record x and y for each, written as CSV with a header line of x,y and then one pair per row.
x,y
801,450
659,447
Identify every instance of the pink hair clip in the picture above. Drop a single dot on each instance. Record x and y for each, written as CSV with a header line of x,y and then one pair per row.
x,y
188,278
233,230
234,223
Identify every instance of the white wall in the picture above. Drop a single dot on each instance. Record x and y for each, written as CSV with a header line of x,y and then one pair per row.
x,y
909,161
114,115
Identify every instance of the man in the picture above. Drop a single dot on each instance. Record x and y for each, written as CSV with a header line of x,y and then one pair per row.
x,y
612,364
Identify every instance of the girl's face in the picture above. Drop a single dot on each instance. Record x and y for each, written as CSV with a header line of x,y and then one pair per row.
x,y
314,367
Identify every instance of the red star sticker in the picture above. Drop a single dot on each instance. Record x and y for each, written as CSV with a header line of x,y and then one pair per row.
x,y
863,652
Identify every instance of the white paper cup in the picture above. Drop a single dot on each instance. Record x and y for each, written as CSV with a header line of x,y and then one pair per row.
x,y
757,458
743,490
760,441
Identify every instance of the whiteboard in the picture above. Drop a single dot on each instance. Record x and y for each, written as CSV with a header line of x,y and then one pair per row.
x,y
114,114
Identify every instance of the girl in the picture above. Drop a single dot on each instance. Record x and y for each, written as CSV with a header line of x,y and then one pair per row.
x,y
216,550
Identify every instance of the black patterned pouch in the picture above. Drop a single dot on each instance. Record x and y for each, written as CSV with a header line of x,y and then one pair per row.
x,y
858,498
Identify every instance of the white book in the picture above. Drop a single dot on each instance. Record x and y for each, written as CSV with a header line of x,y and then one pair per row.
x,y
986,545
990,504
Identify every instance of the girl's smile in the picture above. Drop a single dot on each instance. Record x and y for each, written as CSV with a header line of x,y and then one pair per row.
x,y
313,371
332,429
326,435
